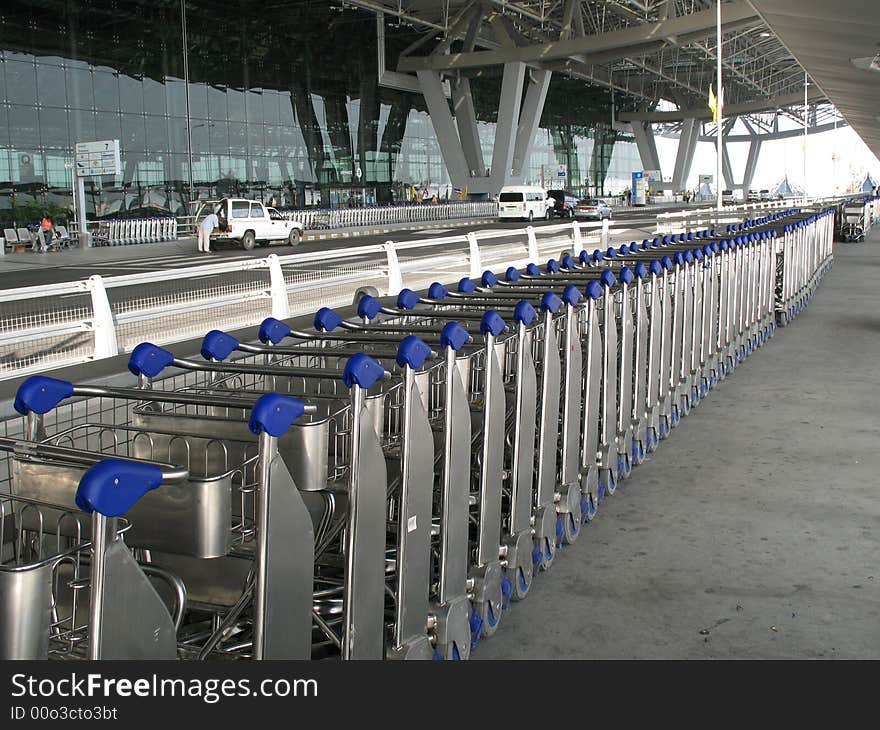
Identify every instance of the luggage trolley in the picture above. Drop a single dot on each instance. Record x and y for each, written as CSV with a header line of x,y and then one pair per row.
x,y
402,433
448,407
551,344
566,476
487,367
69,586
214,529
610,461
409,453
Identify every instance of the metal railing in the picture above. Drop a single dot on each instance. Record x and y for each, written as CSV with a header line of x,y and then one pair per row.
x,y
42,328
63,324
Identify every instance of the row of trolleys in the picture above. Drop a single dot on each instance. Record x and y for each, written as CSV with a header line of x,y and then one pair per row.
x,y
379,487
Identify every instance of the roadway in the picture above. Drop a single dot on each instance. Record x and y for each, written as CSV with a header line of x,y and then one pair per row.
x,y
27,269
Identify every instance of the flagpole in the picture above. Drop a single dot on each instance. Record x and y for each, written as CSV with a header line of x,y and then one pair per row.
x,y
719,95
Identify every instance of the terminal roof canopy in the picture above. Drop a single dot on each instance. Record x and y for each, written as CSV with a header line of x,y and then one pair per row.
x,y
839,46
651,50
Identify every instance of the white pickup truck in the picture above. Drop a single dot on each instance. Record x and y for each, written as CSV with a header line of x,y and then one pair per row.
x,y
250,222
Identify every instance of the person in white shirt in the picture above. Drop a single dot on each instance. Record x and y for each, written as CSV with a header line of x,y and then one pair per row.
x,y
208,224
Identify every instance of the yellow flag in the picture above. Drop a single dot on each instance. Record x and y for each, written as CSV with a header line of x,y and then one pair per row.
x,y
713,104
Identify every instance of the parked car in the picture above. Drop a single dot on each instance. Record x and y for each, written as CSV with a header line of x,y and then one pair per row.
x,y
594,208
753,197
764,196
249,222
565,203
524,202
727,197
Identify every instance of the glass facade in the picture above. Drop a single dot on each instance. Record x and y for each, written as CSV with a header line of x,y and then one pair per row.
x,y
282,104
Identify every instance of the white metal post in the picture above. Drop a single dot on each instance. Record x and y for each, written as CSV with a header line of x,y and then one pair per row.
x,y
103,325
395,278
277,288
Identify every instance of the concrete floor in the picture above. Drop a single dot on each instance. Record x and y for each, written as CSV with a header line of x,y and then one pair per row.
x,y
754,531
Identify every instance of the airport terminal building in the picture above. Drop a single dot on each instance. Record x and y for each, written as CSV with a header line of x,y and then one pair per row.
x,y
280,102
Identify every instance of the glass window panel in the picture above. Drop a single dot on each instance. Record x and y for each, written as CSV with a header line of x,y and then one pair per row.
x,y
175,94
154,96
21,82
131,94
82,126
24,129
107,126
198,100
271,111
177,134
216,103
254,106
235,105
157,133
54,128
218,137
133,133
51,85
106,91
237,138
256,139
4,135
80,92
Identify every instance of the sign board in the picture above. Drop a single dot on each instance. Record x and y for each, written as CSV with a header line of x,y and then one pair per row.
x,y
561,172
358,172
98,158
707,179
653,176
639,188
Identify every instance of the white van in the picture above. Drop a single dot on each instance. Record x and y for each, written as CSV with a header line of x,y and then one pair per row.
x,y
525,203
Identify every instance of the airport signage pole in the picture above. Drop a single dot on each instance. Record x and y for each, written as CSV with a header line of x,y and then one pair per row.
x,y
718,113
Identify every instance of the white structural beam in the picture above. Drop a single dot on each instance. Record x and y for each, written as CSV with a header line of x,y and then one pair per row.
x,y
466,121
684,156
444,127
677,30
647,146
704,113
507,123
538,81
751,163
727,168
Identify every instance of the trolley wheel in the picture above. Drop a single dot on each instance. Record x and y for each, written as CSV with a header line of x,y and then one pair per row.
x,y
294,237
624,467
590,511
607,483
685,406
490,617
519,586
568,527
638,451
543,553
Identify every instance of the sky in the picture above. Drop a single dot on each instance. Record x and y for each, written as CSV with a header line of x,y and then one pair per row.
x,y
834,159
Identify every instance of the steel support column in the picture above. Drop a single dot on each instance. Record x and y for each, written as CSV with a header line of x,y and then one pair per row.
x,y
529,117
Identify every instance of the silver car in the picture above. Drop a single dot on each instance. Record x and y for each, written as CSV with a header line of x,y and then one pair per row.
x,y
592,208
